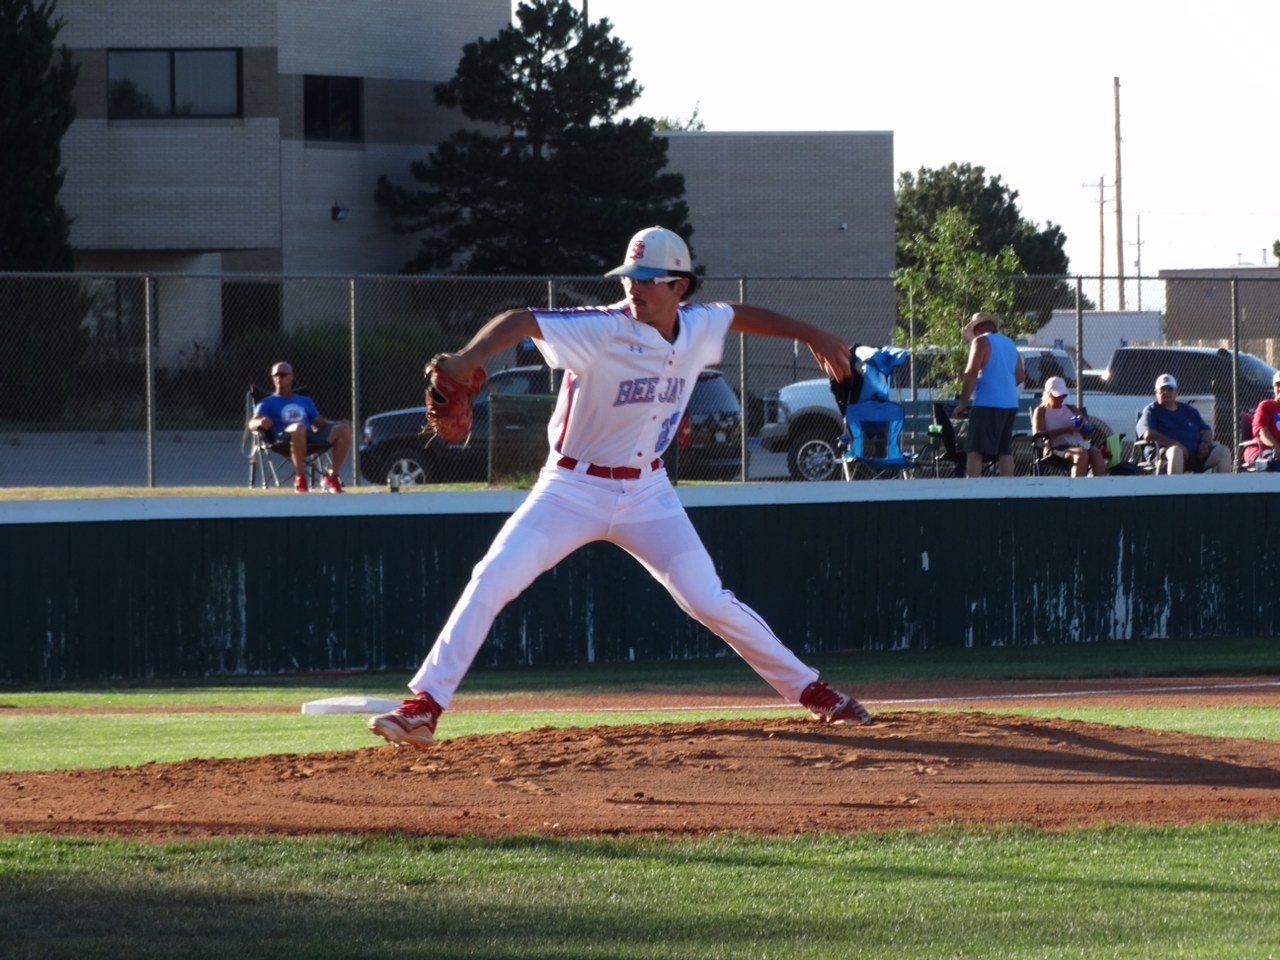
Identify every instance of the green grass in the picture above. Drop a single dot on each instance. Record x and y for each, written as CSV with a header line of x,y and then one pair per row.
x,y
1115,892
1152,658
1209,892
1248,722
59,741
52,742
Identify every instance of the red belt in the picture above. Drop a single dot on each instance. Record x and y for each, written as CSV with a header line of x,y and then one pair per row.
x,y
609,473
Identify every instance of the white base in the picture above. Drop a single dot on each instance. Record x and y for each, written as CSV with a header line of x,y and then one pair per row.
x,y
350,705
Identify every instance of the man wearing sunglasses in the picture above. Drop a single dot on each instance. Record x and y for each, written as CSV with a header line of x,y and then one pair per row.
x,y
1186,441
292,415
629,370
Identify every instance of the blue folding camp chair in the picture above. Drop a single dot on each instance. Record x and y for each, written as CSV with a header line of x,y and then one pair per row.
x,y
868,411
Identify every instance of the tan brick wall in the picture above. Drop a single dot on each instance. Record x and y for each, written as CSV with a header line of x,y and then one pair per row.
x,y
772,204
173,184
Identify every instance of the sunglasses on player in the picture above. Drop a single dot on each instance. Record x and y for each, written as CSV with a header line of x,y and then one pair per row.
x,y
640,283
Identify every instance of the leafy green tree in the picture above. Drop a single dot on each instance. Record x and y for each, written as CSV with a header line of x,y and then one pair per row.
x,y
948,281
1275,250
550,180
41,319
695,121
990,205
36,108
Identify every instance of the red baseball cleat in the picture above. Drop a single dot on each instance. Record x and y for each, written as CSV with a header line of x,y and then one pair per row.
x,y
412,723
832,706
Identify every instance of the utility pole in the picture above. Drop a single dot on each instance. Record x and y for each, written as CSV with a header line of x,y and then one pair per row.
x,y
1102,242
1138,262
1119,211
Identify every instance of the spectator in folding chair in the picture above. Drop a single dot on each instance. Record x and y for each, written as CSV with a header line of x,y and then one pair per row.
x,y
1062,427
293,416
1263,451
1185,441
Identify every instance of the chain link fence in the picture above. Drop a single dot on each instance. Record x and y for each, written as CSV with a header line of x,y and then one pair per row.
x,y
131,380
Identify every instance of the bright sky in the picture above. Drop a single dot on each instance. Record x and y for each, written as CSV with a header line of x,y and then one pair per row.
x,y
1023,89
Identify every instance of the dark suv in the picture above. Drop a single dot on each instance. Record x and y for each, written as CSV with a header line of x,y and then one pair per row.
x,y
708,441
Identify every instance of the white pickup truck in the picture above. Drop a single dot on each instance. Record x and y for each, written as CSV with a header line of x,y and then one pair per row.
x,y
804,421
1204,375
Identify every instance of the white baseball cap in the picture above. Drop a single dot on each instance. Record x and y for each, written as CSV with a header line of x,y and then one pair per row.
x,y
1166,380
653,252
1056,386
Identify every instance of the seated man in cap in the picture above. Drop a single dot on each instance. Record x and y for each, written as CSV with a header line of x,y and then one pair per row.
x,y
1186,441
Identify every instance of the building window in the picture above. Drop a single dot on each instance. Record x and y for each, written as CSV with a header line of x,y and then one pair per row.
x,y
331,108
173,83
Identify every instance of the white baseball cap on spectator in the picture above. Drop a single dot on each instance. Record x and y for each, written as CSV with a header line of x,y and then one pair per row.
x,y
1166,380
1056,386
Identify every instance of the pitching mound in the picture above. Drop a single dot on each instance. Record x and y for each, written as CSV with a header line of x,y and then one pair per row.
x,y
774,777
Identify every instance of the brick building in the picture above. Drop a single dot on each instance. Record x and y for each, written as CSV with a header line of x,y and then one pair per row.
x,y
247,136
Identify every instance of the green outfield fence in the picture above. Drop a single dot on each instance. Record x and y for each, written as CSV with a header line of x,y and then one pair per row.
x,y
172,586
130,379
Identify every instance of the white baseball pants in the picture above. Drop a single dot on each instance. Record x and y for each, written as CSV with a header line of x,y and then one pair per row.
x,y
567,510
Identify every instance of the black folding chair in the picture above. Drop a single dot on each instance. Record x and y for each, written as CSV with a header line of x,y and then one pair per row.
x,y
263,449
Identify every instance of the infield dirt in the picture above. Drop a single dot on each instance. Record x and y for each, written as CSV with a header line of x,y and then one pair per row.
x,y
776,776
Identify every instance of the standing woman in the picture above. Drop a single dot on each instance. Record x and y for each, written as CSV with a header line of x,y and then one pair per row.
x,y
1062,423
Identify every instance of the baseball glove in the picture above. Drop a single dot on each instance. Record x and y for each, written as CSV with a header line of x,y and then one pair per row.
x,y
449,401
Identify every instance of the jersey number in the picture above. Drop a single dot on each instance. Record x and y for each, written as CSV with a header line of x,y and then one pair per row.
x,y
664,436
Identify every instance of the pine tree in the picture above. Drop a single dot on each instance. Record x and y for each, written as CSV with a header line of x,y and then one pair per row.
x,y
41,319
36,108
550,182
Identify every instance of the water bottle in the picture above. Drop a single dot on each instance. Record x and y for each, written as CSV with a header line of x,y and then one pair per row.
x,y
393,483
1076,421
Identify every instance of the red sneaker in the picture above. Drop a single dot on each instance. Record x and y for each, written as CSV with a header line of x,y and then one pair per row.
x,y
330,482
412,723
300,484
832,706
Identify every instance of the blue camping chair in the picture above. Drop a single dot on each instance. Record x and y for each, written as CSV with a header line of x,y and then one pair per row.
x,y
867,409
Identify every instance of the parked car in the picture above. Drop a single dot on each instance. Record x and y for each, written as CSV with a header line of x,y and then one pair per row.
x,y
803,421
708,443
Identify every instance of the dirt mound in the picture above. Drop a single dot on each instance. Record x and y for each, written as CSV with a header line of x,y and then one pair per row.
x,y
775,777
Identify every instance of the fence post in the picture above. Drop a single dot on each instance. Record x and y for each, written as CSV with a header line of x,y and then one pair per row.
x,y
355,385
1080,341
1235,373
148,324
743,445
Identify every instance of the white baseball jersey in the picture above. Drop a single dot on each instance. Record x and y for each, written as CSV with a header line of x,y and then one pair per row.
x,y
625,387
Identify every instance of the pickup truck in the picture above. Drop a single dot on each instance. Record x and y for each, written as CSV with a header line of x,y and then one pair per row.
x,y
1204,378
803,420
